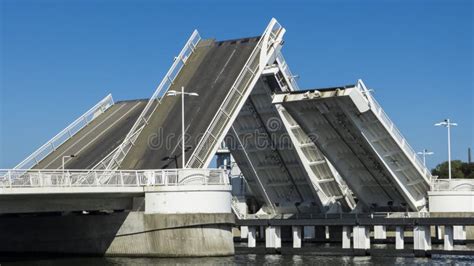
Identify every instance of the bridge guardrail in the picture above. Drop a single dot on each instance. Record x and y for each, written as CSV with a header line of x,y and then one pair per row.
x,y
452,185
23,178
400,139
240,89
113,160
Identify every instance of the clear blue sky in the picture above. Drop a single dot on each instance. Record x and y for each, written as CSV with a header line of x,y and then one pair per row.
x,y
58,58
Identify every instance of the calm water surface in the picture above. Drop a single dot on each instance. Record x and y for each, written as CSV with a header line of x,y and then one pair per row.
x,y
256,260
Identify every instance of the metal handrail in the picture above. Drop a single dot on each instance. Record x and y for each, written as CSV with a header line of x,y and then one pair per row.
x,y
66,133
287,72
114,159
34,178
456,184
213,134
390,126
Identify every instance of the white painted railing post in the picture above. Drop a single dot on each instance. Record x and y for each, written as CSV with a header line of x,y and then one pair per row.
x,y
10,178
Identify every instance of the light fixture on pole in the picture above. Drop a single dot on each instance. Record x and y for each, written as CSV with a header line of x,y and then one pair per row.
x,y
424,153
182,93
64,159
447,123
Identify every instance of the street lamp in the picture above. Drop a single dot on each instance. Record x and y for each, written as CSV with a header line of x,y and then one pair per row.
x,y
447,123
64,159
182,93
424,153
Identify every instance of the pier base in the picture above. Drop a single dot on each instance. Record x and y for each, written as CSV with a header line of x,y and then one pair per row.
x,y
400,237
346,237
459,232
439,232
296,232
244,231
252,237
380,232
448,237
326,232
361,236
421,239
273,237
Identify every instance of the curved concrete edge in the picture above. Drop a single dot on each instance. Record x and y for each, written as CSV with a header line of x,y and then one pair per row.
x,y
120,234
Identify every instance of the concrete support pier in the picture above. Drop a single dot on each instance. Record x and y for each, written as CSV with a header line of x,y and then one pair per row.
x,y
399,237
346,237
448,237
244,231
361,236
165,221
421,239
439,232
380,232
252,237
459,232
296,233
273,237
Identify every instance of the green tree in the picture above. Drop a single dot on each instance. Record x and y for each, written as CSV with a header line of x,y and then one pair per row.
x,y
459,170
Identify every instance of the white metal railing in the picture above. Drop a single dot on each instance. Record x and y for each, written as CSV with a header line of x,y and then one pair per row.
x,y
452,185
397,135
240,88
113,160
66,133
287,72
24,178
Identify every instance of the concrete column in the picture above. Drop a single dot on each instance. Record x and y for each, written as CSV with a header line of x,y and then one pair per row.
x,y
361,236
252,237
296,230
244,231
380,232
448,237
421,238
273,237
309,232
439,233
346,237
400,237
459,232
326,232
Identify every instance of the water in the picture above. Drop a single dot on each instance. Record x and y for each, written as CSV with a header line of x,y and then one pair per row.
x,y
252,260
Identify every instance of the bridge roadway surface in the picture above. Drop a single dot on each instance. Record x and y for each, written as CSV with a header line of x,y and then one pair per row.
x,y
97,139
210,71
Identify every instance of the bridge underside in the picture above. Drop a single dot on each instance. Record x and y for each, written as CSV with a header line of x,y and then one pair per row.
x,y
341,122
271,163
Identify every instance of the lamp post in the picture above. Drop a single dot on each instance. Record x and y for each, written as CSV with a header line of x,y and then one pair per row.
x,y
424,153
64,159
182,93
447,123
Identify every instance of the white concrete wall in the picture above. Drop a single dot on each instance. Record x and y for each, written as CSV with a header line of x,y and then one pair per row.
x,y
189,199
451,201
